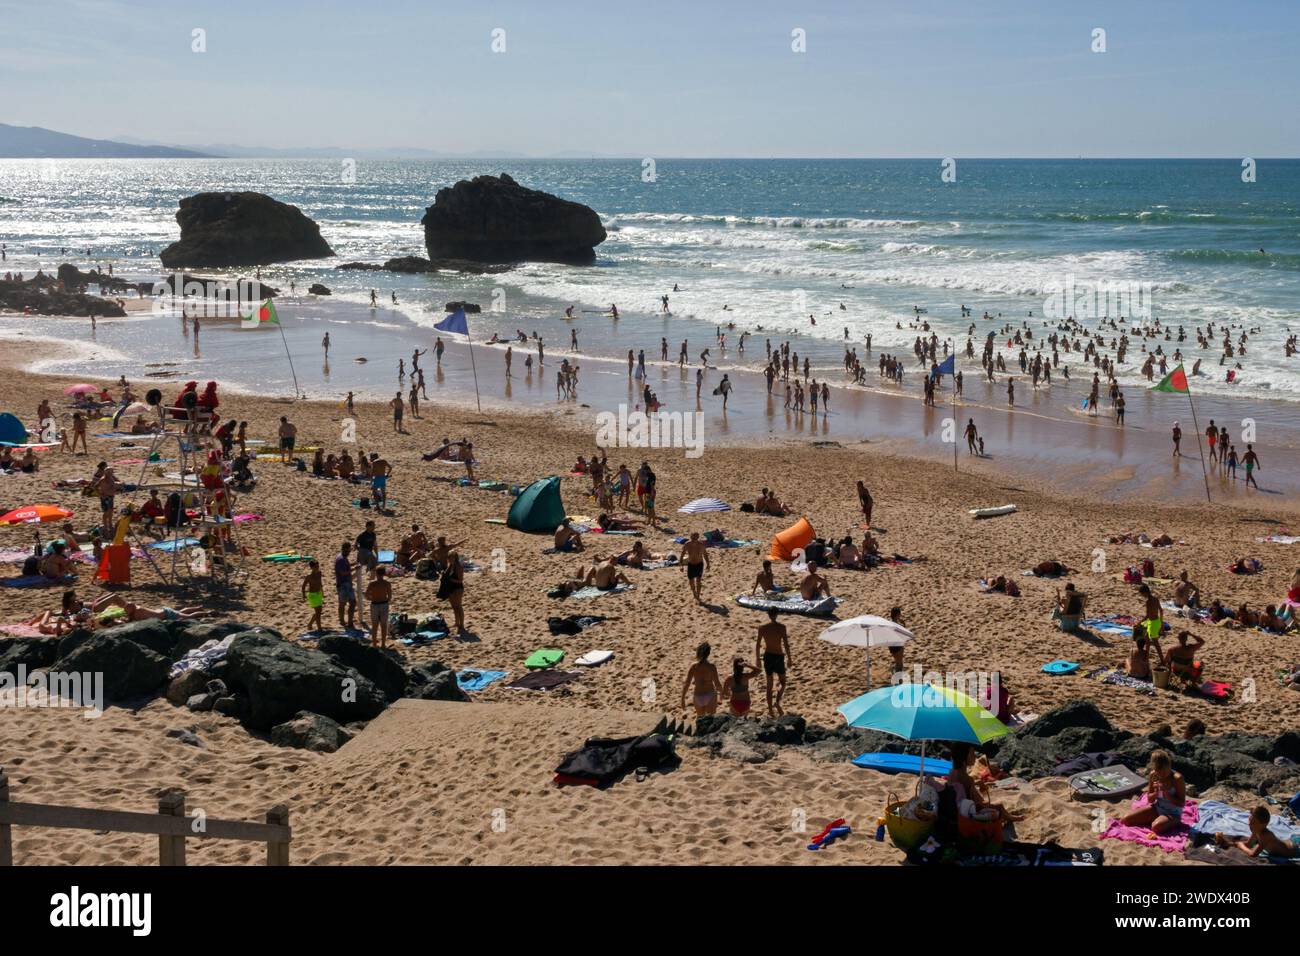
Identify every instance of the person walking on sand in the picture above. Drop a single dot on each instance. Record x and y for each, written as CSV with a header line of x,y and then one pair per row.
x,y
866,502
1119,409
398,410
438,349
1212,436
346,590
379,593
510,357
704,676
325,344
313,592
695,556
1178,440
972,436
724,389
772,651
374,302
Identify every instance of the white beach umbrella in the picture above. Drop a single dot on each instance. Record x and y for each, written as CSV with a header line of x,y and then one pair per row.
x,y
867,631
700,505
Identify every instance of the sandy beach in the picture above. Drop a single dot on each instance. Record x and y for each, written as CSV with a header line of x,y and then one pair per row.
x,y
439,771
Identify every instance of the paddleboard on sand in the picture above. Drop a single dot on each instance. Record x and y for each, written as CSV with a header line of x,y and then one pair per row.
x,y
903,763
992,512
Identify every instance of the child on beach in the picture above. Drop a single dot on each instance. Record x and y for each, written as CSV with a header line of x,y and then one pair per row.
x,y
313,592
1261,839
1166,792
736,688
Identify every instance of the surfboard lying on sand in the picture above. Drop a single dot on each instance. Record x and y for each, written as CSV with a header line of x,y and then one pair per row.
x,y
903,763
992,512
1116,781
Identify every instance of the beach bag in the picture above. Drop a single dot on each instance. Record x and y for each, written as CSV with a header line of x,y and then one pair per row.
x,y
907,832
981,836
425,569
401,624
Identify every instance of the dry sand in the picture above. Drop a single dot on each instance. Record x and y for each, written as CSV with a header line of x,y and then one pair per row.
x,y
421,784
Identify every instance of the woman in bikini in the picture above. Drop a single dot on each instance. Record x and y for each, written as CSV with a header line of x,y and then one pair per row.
x,y
451,588
1166,792
736,688
707,684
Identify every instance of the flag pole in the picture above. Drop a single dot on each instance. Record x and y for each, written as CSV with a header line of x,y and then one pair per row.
x,y
469,340
297,392
1196,425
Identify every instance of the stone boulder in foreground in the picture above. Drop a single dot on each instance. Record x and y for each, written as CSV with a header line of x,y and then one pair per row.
x,y
494,219
242,229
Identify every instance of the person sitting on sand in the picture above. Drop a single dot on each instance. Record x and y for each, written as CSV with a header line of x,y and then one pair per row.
x,y
764,581
1071,603
566,538
1247,566
849,556
704,676
814,586
1181,657
870,549
56,564
736,688
1138,665
965,788
1271,620
1261,839
1186,594
605,575
141,427
769,504
996,699
1166,793
346,467
1162,541
1002,585
1245,617
581,467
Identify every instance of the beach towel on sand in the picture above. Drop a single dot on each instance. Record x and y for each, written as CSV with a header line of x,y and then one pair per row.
x,y
592,592
474,680
37,581
1174,841
1214,816
791,604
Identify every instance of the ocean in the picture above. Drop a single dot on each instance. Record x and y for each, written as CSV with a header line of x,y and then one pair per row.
x,y
775,241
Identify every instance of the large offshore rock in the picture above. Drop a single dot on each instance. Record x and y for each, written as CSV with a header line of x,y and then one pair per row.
x,y
242,229
494,219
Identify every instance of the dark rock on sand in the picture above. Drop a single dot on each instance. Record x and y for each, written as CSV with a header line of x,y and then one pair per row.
x,y
74,280
242,229
471,308
45,295
237,290
185,737
186,685
416,264
308,731
280,679
433,680
494,219
130,670
28,652
232,705
317,289
383,667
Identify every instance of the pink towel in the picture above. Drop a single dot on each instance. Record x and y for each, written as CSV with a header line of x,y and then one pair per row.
x,y
1173,842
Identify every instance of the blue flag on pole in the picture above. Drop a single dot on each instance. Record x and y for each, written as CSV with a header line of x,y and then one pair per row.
x,y
455,324
947,367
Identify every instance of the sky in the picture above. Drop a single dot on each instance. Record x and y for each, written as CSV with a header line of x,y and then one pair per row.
x,y
666,78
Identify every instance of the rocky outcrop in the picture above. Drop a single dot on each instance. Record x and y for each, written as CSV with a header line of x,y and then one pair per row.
x,y
130,670
494,219
28,652
242,229
433,680
471,308
210,287
382,667
43,295
279,679
317,289
74,280
418,264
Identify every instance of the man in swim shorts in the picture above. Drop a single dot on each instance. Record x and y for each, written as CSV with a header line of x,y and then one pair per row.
x,y
772,649
695,555
288,435
346,590
313,592
379,472
379,593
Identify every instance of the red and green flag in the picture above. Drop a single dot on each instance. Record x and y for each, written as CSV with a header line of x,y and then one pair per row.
x,y
265,314
1175,381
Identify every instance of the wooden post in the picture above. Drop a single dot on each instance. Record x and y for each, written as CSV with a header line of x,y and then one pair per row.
x,y
171,849
277,854
6,831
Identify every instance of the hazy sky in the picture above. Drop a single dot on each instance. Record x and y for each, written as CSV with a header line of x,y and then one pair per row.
x,y
666,78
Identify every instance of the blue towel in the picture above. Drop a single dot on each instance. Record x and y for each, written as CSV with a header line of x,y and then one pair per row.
x,y
471,680
37,581
173,545
1107,625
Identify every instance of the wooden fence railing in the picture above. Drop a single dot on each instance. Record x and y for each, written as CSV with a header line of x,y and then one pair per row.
x,y
170,824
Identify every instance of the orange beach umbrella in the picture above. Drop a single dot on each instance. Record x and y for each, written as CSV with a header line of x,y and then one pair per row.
x,y
35,514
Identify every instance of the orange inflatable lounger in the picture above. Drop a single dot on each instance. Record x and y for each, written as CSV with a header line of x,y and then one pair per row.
x,y
791,539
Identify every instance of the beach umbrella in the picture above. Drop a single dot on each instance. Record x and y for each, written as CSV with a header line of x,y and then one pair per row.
x,y
923,712
137,408
35,514
867,631
701,505
81,389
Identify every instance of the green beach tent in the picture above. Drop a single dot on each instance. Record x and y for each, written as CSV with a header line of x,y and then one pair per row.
x,y
538,507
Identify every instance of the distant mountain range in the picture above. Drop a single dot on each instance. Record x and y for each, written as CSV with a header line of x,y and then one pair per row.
x,y
35,142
